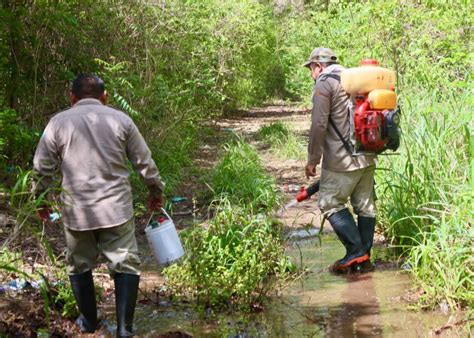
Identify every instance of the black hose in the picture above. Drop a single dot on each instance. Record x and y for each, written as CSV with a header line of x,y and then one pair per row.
x,y
313,188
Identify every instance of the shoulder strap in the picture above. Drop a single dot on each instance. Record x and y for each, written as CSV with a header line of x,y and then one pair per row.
x,y
333,76
347,145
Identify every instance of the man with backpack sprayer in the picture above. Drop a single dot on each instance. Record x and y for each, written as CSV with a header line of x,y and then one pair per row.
x,y
343,176
90,144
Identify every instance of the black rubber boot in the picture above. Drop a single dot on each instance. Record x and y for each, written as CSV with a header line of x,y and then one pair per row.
x,y
84,291
126,290
366,231
366,227
343,224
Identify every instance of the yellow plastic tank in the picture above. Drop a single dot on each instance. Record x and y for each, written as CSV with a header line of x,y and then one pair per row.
x,y
367,78
382,99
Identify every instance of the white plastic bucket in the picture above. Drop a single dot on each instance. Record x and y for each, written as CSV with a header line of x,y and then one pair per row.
x,y
164,241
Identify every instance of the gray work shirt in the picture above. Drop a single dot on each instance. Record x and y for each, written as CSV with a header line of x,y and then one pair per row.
x,y
90,144
330,99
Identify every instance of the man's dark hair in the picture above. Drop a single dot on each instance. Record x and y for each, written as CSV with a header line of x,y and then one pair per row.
x,y
88,86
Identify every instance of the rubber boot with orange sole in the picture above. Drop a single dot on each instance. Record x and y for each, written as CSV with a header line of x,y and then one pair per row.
x,y
345,228
366,227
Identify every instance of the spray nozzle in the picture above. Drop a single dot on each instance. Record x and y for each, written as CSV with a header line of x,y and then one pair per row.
x,y
307,192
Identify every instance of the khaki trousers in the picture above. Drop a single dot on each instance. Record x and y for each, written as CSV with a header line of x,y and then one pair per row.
x,y
337,187
118,245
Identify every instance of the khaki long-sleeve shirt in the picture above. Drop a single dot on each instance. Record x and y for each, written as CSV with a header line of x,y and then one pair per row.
x,y
330,99
90,144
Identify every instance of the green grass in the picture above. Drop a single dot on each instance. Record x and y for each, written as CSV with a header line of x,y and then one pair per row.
x,y
282,141
426,200
442,260
431,170
240,177
240,258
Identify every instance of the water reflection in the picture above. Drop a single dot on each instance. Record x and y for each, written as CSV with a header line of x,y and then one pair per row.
x,y
359,313
320,305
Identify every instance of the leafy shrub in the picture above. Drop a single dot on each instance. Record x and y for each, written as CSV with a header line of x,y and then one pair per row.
x,y
238,260
240,257
16,141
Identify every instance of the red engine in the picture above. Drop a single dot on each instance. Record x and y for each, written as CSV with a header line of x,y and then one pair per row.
x,y
375,130
368,124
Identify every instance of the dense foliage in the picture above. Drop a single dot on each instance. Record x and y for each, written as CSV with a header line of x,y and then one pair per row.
x,y
171,64
238,261
168,65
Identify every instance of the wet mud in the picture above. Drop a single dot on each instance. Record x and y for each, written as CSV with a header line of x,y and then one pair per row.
x,y
319,304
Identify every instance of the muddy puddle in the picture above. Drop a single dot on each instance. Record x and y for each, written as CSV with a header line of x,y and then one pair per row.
x,y
320,304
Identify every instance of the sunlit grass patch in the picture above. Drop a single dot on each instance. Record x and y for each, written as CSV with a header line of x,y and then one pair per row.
x,y
282,141
241,178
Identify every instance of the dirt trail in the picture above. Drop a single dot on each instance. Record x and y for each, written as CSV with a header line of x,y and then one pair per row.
x,y
289,174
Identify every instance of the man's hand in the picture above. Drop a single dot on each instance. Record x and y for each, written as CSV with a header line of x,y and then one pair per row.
x,y
310,170
155,202
43,213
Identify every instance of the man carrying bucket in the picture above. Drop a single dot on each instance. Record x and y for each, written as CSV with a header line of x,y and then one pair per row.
x,y
343,176
90,144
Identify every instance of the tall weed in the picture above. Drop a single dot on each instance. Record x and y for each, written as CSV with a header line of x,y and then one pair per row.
x,y
432,168
442,259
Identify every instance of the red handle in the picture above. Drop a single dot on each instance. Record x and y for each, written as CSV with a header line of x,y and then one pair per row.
x,y
302,195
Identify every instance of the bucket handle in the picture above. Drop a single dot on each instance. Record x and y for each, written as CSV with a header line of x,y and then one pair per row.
x,y
153,213
166,214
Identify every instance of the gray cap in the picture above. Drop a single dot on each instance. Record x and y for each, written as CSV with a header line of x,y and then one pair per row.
x,y
321,54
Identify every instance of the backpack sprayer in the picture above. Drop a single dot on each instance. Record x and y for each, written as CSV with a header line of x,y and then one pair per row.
x,y
376,116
